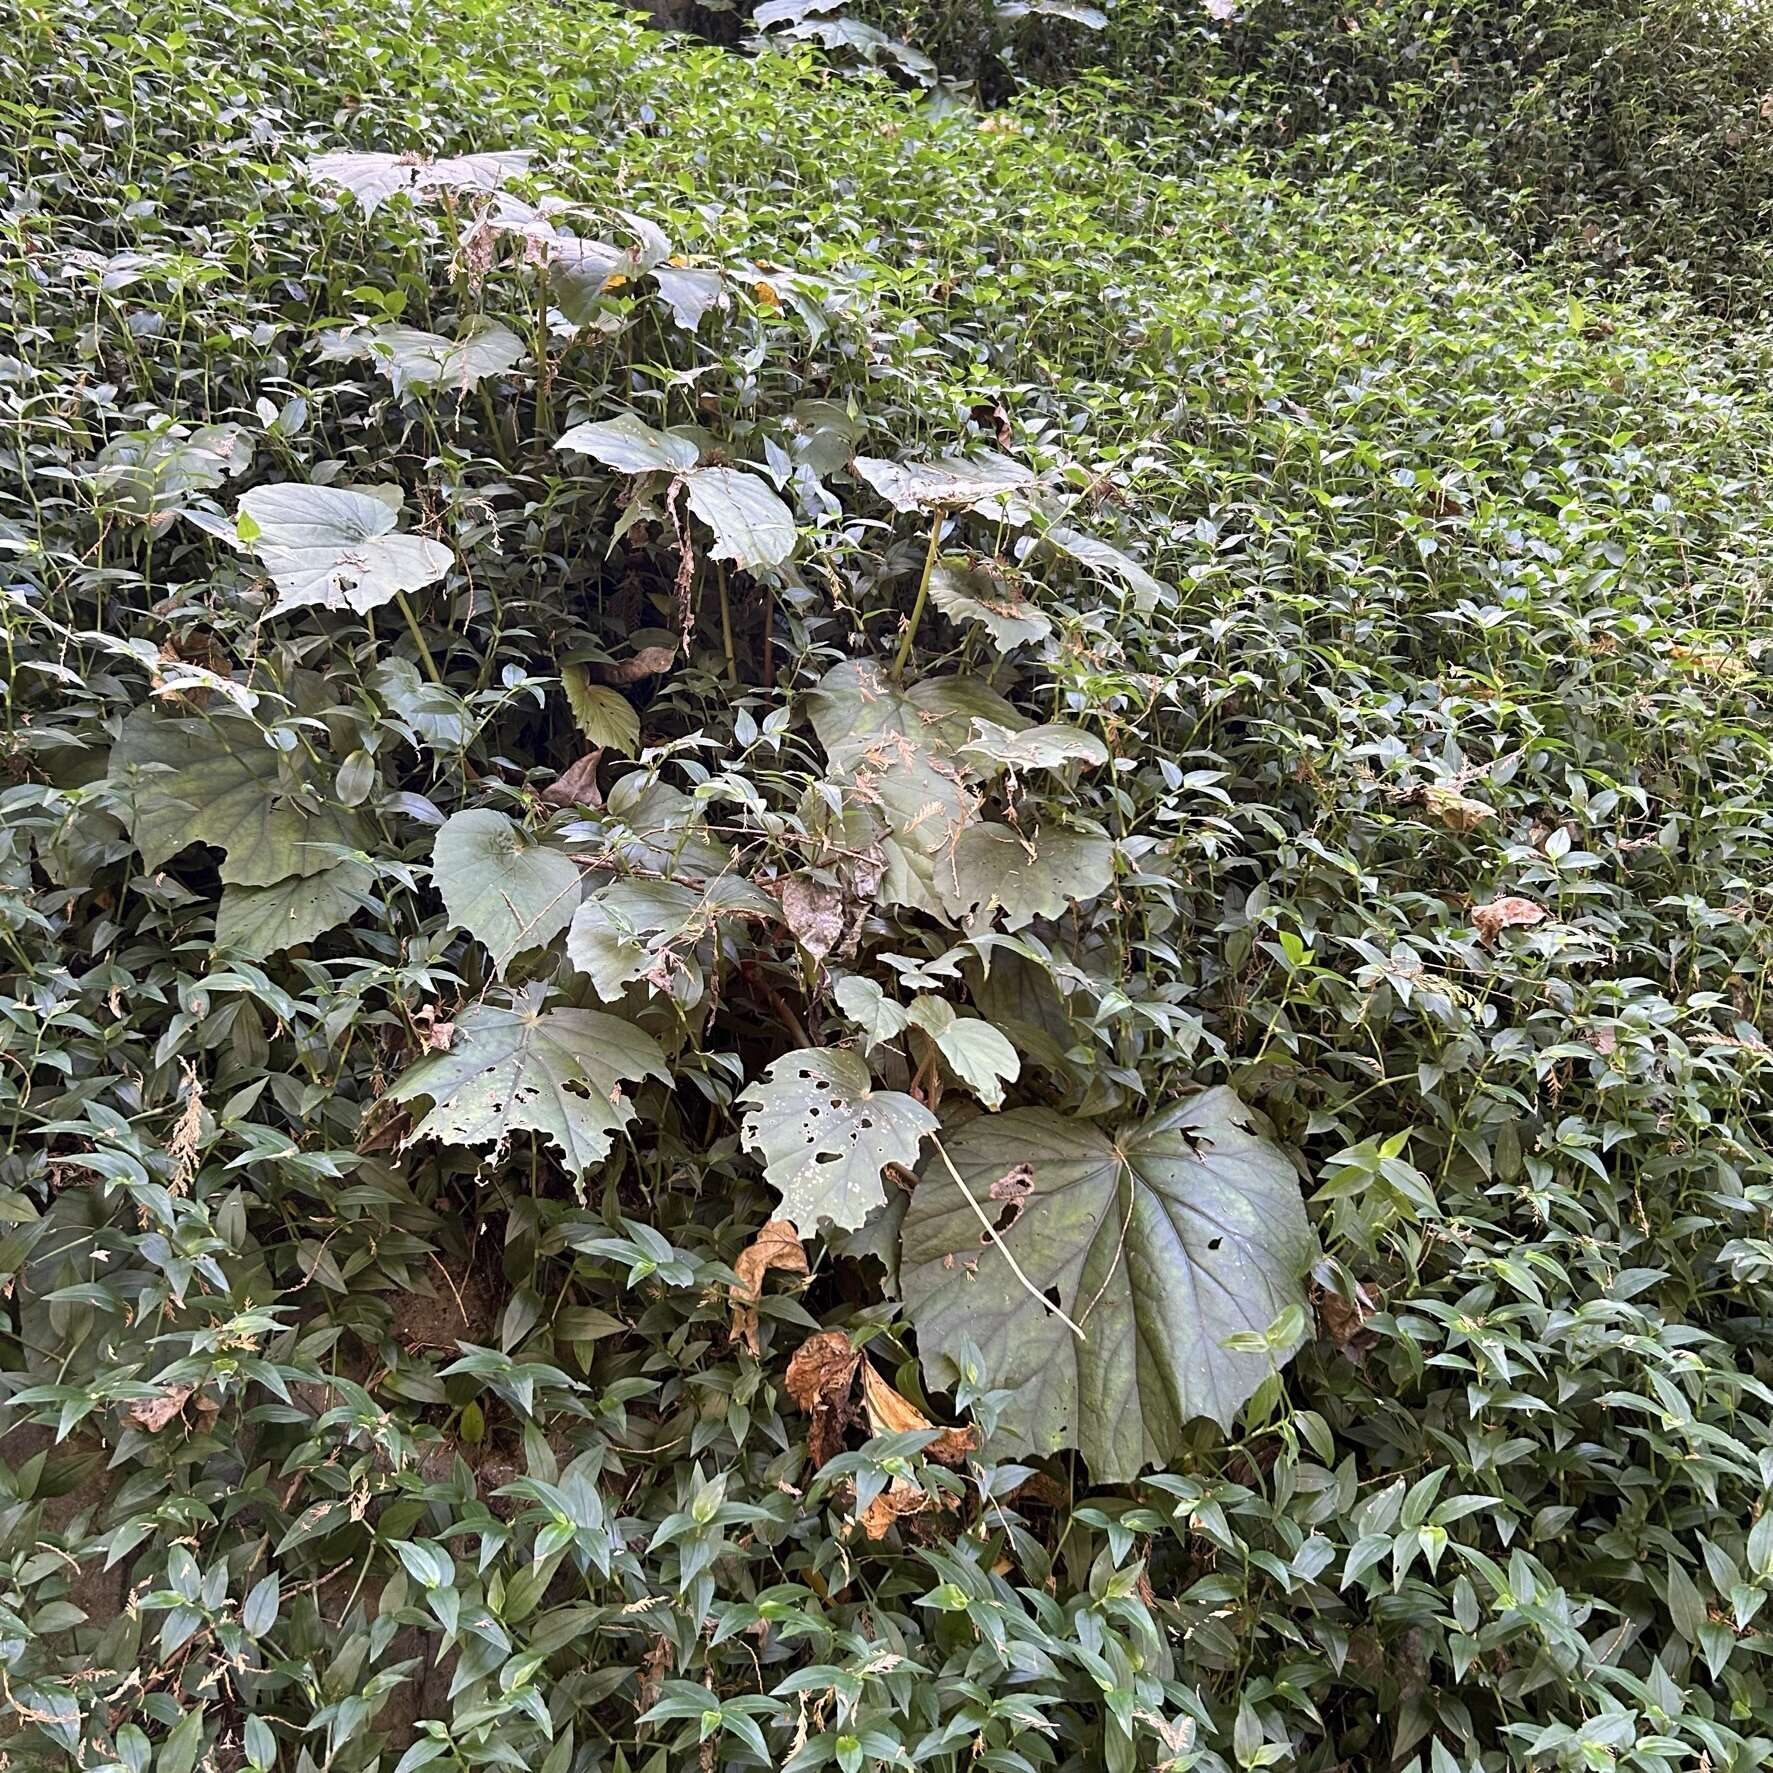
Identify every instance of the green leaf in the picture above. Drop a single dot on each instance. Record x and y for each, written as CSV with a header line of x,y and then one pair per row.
x,y
555,1072
649,929
976,1053
631,445
825,1134
1159,1241
897,752
689,292
986,592
218,781
992,749
256,922
147,473
373,178
950,483
872,1011
336,547
752,527
605,716
506,890
411,358
995,870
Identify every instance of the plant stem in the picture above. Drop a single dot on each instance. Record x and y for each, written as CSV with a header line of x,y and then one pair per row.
x,y
923,591
726,626
412,623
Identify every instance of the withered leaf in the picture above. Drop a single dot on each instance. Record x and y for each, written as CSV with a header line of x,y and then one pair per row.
x,y
153,1413
1505,914
777,1245
891,1412
577,785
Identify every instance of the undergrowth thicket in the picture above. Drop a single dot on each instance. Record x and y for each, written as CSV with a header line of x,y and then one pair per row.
x,y
842,936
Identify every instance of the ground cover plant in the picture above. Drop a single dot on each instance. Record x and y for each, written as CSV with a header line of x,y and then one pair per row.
x,y
849,935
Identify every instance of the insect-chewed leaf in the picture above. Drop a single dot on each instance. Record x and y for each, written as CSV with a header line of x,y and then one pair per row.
x,y
631,445
649,929
411,358
1160,1241
752,527
898,753
950,483
256,922
373,178
558,1073
217,781
993,872
983,592
336,546
506,891
1034,748
825,1134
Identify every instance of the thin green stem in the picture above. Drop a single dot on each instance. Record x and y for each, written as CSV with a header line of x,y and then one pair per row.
x,y
923,591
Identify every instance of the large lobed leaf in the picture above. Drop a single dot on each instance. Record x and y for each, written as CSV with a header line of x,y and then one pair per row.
x,y
558,1073
1159,1241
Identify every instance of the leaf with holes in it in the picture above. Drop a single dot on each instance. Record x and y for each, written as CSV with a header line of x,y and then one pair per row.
x,y
752,527
411,358
1161,1241
650,929
507,891
976,1052
631,445
375,177
996,870
985,592
825,1134
336,546
217,781
948,484
558,1073
256,922
992,749
897,751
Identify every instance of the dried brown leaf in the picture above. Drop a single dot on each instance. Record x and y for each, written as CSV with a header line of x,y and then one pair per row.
x,y
776,1246
577,784
153,1413
814,912
891,1412
1506,914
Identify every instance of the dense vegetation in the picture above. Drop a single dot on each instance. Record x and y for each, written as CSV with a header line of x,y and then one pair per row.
x,y
588,616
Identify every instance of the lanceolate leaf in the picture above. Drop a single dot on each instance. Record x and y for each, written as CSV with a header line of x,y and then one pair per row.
x,y
337,546
558,1073
218,781
504,889
825,1134
1159,1240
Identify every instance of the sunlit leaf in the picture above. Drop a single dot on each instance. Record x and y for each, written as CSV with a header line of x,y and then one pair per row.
x,y
337,547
